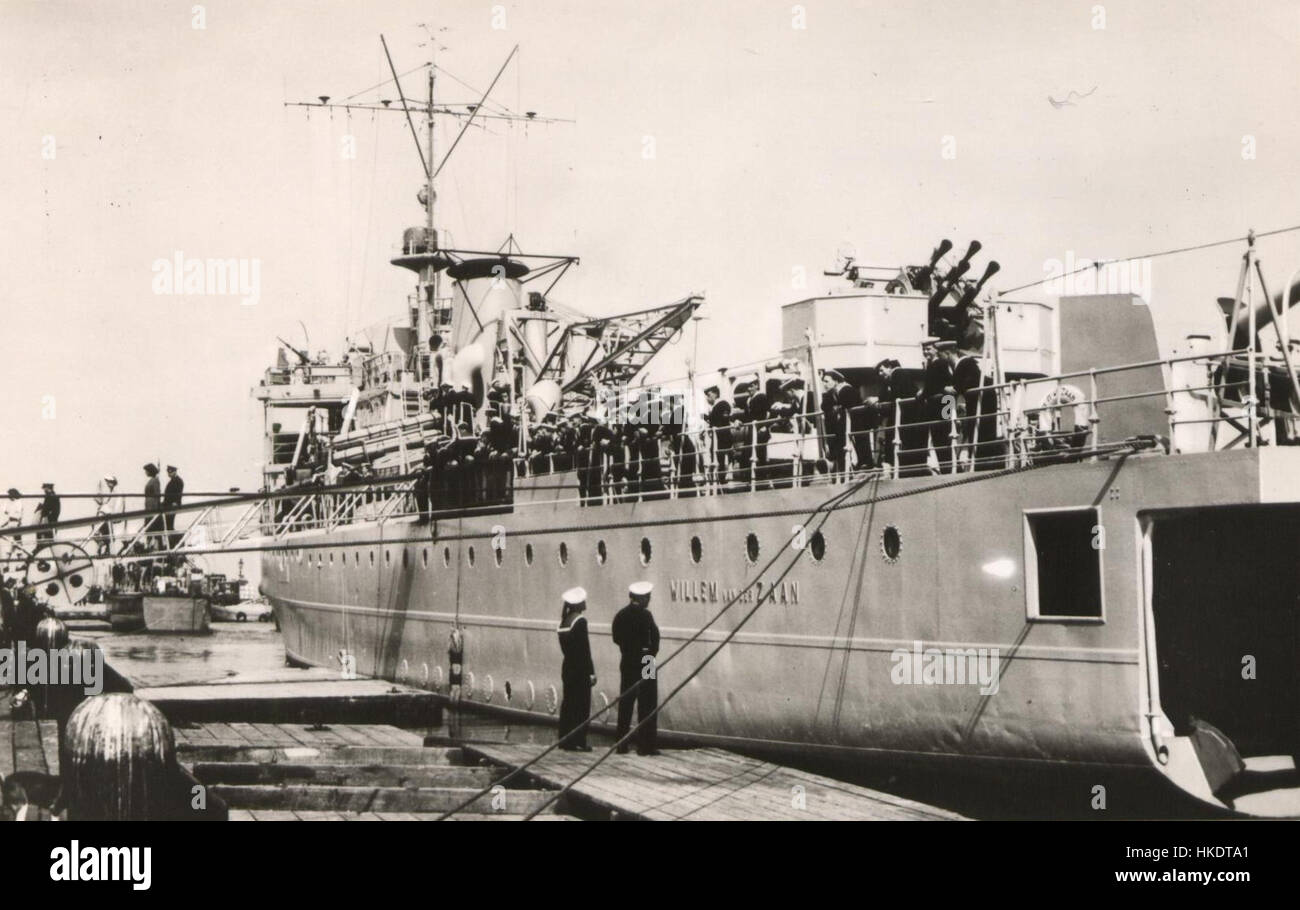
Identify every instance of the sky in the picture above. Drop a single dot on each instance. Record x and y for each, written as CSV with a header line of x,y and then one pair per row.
x,y
779,134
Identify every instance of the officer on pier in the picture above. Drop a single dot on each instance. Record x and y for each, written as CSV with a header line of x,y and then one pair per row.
x,y
577,673
637,637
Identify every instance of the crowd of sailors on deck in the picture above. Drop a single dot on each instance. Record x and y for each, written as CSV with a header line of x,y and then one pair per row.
x,y
761,433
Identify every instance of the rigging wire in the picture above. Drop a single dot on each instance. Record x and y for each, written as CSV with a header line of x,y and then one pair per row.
x,y
1183,249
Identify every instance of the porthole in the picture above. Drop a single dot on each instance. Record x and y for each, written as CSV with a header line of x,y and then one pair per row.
x,y
645,551
751,547
489,688
388,557
331,557
552,699
424,557
697,550
403,673
817,546
469,555
509,691
532,695
357,557
372,557
467,687
891,544
446,556
564,554
602,552
528,553
498,553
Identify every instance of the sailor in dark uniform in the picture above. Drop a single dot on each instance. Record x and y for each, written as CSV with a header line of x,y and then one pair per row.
x,y
49,510
652,469
880,410
637,637
604,443
577,673
834,421
172,497
979,426
936,397
686,460
719,420
424,482
853,422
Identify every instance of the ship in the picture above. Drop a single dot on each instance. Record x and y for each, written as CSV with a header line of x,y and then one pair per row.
x,y
1087,563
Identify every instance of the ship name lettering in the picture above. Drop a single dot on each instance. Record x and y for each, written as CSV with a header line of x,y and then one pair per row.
x,y
689,590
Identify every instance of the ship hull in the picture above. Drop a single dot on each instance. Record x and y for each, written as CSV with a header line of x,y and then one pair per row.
x,y
817,649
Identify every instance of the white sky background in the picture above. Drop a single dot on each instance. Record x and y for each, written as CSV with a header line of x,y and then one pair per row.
x,y
774,146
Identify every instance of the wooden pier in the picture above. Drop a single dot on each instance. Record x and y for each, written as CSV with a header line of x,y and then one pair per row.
x,y
273,742
29,750
345,772
705,785
239,673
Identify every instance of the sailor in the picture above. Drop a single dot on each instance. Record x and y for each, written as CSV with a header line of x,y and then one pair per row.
x,y
424,482
172,498
758,409
652,469
603,444
637,637
153,504
719,420
939,401
884,406
566,443
11,516
108,505
834,420
48,510
577,673
501,437
685,459
979,426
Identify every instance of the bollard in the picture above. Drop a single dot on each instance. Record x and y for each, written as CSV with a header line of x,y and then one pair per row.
x,y
79,670
118,761
51,636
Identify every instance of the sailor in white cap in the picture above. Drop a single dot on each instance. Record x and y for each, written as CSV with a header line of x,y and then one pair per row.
x,y
577,673
637,637
108,504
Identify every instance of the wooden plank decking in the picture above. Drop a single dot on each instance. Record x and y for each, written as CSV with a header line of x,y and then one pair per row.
x,y
708,785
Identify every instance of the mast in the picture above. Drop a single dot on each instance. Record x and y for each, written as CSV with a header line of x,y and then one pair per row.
x,y
430,302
